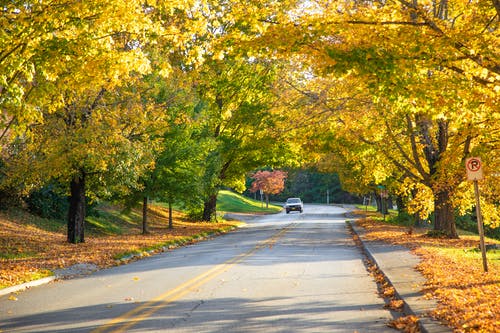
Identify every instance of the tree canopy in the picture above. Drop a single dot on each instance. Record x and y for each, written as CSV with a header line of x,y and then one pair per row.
x,y
101,95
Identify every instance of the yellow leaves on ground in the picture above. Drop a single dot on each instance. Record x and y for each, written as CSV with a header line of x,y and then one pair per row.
x,y
408,324
33,252
467,297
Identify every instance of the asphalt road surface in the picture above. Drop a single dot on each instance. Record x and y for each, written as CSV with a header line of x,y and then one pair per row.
x,y
280,273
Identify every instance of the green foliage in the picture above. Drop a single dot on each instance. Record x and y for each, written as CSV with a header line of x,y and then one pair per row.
x,y
238,122
136,95
195,213
365,59
468,222
48,202
405,219
9,197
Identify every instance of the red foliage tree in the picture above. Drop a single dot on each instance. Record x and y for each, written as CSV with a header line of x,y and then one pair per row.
x,y
270,182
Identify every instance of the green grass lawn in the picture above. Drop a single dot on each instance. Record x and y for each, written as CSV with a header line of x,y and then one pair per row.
x,y
228,201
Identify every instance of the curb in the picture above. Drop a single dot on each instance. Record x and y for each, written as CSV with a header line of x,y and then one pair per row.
x,y
417,308
80,270
27,285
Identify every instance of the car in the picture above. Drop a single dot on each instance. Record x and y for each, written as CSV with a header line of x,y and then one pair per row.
x,y
294,204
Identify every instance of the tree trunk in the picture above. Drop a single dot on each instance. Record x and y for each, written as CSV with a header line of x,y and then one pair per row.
x,y
378,201
401,204
390,203
170,220
384,202
381,204
209,209
76,213
145,215
444,219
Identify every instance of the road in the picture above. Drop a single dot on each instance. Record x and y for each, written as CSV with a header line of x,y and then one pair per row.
x,y
280,273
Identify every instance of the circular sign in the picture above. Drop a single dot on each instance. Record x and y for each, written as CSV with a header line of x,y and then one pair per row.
x,y
474,164
474,168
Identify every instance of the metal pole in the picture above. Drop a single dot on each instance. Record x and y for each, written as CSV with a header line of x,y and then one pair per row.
x,y
480,226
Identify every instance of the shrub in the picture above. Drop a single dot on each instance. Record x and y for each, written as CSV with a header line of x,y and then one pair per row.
x,y
48,202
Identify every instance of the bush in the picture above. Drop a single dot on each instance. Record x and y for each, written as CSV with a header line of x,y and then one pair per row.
x,y
404,219
468,222
195,214
9,198
48,202
9,194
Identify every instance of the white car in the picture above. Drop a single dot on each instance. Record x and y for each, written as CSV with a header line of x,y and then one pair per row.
x,y
294,204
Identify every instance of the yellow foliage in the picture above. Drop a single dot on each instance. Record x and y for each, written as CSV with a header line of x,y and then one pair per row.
x,y
420,198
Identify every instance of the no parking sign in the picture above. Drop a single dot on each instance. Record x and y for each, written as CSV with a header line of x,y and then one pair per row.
x,y
474,168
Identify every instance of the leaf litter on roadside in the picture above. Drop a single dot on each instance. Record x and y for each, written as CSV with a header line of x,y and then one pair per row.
x,y
467,296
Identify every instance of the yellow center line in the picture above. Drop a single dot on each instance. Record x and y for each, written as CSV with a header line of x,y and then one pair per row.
x,y
140,313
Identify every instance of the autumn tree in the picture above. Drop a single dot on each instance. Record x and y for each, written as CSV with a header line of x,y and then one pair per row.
x,y
236,105
68,96
391,93
269,182
422,95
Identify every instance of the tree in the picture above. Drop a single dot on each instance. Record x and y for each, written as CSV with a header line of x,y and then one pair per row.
x,y
236,106
67,89
311,185
177,152
179,168
100,154
400,92
269,182
421,98
48,47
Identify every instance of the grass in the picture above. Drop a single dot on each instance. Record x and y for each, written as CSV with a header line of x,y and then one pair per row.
x,y
469,254
111,220
52,225
232,202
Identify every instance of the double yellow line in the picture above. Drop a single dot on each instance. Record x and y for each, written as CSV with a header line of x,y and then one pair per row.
x,y
142,312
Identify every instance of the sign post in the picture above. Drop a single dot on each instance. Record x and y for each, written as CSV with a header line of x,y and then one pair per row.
x,y
474,170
